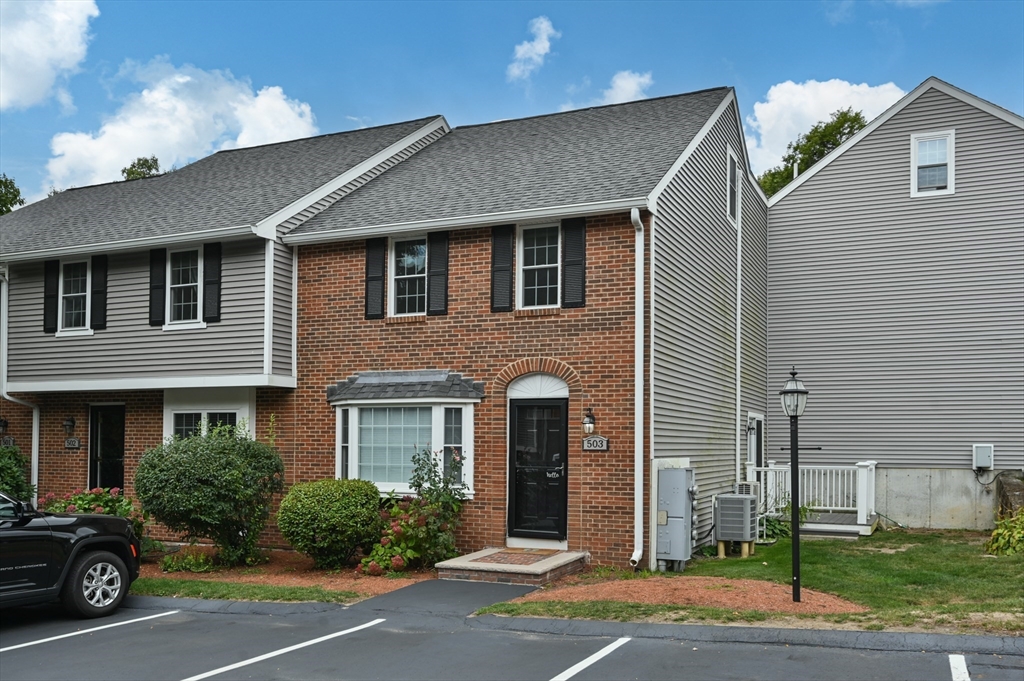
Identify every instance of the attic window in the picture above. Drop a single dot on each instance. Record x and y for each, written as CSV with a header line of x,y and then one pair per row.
x,y
732,187
932,163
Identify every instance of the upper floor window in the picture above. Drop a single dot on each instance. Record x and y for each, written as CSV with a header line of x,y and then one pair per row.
x,y
932,170
74,295
539,267
732,186
408,277
184,289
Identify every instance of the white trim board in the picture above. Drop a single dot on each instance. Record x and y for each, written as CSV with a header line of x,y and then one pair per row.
x,y
932,83
153,383
466,221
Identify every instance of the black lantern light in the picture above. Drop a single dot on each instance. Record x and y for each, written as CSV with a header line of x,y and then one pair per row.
x,y
794,399
3,426
588,422
69,425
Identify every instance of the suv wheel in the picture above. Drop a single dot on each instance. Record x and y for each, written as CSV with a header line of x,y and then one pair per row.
x,y
96,585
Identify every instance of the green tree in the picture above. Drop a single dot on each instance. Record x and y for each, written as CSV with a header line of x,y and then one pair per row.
x,y
10,195
811,147
141,167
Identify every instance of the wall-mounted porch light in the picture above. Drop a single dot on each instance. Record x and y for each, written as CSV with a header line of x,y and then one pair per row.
x,y
589,421
69,425
3,426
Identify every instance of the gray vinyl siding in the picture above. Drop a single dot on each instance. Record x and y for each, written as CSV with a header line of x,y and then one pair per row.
x,y
905,316
754,314
694,341
282,318
129,347
338,194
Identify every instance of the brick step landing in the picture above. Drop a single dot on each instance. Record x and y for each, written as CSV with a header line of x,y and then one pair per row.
x,y
513,566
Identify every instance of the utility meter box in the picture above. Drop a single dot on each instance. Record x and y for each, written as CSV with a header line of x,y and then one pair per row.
x,y
984,457
676,496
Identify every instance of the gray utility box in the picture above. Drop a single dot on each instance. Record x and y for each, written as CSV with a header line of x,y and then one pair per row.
x,y
735,517
675,513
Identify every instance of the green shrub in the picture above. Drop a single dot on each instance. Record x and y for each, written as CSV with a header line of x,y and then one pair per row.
x,y
187,561
329,519
103,500
13,478
1008,537
215,486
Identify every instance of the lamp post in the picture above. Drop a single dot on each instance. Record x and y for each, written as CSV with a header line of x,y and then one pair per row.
x,y
794,398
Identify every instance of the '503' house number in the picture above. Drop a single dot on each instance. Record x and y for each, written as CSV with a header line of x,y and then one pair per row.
x,y
595,443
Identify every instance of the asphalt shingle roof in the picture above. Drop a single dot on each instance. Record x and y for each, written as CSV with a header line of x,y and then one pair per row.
x,y
397,385
227,189
597,154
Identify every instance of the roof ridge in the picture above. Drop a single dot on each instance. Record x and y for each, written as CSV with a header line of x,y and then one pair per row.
x,y
327,134
590,108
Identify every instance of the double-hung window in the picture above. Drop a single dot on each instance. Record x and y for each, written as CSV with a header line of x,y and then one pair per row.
x,y
187,424
408,277
539,266
184,290
932,163
74,296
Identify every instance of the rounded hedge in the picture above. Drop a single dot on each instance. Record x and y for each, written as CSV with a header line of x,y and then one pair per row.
x,y
329,519
13,478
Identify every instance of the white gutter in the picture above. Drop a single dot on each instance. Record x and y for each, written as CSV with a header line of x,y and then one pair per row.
x,y
4,293
638,391
465,221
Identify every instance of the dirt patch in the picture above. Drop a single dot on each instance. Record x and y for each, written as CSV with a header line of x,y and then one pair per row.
x,y
715,592
890,550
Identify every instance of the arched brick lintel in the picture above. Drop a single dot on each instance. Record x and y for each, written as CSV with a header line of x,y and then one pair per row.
x,y
538,365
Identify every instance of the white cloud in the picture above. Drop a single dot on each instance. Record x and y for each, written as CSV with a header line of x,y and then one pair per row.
x,y
180,114
839,11
626,86
41,43
529,55
792,108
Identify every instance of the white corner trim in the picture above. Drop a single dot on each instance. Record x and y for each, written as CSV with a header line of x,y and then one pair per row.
x,y
132,244
652,198
931,83
152,383
268,307
467,221
267,227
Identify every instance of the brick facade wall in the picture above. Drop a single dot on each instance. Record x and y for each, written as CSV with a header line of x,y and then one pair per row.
x,y
594,345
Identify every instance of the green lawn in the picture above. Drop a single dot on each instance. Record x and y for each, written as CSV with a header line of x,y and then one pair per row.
x,y
236,591
932,579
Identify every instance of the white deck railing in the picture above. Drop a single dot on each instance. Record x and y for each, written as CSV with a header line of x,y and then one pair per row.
x,y
822,488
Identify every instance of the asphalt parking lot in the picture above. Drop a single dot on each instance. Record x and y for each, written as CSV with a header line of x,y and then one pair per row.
x,y
423,632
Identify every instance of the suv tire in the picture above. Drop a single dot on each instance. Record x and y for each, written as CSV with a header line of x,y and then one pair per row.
x,y
96,584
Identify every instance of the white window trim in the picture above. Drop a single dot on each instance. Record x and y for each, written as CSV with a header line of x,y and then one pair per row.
x,y
520,279
197,323
78,330
730,155
437,432
392,289
950,136
204,415
241,401
752,419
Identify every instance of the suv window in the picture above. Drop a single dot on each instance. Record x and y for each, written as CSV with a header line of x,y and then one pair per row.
x,y
7,508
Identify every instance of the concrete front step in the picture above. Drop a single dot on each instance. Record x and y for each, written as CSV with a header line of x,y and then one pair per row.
x,y
513,566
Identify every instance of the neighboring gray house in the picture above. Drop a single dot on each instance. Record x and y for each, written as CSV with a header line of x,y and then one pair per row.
x,y
137,310
896,287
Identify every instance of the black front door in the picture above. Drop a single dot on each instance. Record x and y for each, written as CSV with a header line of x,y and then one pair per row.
x,y
538,468
106,446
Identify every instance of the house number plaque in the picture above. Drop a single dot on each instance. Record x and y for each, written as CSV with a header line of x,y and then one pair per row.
x,y
7,441
595,443
72,443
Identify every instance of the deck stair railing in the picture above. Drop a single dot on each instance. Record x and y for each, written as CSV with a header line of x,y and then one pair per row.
x,y
827,489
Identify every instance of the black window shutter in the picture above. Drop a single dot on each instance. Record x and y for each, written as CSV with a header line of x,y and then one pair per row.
x,y
98,304
376,255
437,273
574,262
502,248
157,285
51,287
211,282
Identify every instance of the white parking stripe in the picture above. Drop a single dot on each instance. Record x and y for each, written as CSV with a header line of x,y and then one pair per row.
x,y
958,667
282,651
86,631
580,666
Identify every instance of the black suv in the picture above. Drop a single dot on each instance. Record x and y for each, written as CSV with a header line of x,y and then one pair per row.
x,y
88,561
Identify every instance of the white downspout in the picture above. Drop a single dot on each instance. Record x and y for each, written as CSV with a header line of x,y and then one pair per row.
x,y
638,391
739,333
4,293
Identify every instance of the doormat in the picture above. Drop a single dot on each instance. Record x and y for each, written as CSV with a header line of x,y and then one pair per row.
x,y
517,556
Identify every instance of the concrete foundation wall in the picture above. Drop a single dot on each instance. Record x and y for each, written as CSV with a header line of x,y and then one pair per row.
x,y
938,498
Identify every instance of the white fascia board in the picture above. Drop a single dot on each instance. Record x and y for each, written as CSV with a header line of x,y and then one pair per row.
x,y
652,198
267,227
467,221
931,83
132,244
153,383
383,402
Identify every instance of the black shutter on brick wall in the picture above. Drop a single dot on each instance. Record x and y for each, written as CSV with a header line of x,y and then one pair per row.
x,y
211,282
51,286
437,273
574,262
502,248
376,257
98,304
157,285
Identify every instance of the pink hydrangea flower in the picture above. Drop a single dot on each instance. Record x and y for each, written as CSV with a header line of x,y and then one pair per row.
x,y
96,490
97,509
114,491
397,562
72,508
375,569
385,541
421,521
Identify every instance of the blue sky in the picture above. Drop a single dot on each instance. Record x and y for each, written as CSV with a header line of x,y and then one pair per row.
x,y
87,87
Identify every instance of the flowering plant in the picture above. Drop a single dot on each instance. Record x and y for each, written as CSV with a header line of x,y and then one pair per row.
x,y
103,500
